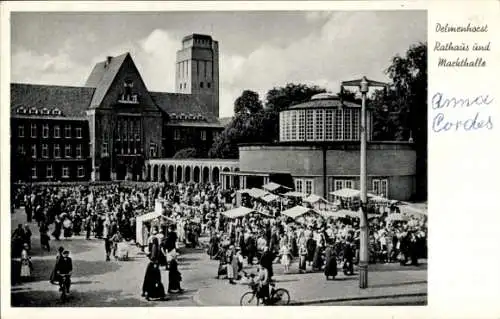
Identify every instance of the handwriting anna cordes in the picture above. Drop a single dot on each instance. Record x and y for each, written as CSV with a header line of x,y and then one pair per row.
x,y
440,101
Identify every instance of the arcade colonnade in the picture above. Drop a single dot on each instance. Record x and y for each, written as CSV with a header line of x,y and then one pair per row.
x,y
192,170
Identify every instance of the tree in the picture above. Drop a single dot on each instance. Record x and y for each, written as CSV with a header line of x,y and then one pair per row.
x,y
280,98
249,103
186,153
401,113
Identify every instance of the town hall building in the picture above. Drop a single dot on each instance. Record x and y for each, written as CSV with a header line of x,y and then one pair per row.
x,y
109,128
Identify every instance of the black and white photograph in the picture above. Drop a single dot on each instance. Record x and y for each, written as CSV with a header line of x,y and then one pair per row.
x,y
218,158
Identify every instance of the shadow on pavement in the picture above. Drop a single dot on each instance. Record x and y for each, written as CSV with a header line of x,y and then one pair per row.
x,y
98,298
399,284
81,268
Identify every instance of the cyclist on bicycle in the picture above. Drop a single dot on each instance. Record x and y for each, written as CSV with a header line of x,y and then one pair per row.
x,y
64,267
263,283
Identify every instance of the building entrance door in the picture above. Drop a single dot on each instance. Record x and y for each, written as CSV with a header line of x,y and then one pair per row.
x,y
105,170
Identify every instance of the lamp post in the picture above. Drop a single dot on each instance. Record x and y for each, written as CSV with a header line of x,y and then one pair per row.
x,y
363,84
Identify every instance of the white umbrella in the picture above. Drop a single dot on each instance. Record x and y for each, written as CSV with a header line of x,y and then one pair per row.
x,y
314,199
346,193
238,212
397,217
257,192
269,198
295,194
274,186
298,211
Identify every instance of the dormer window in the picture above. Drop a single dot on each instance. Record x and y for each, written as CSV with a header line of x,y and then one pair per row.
x,y
56,112
33,111
45,111
21,110
173,116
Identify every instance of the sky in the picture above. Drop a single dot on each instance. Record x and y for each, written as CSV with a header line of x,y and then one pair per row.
x,y
258,50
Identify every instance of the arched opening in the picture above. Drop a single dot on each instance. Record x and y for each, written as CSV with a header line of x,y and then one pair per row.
x,y
236,179
196,173
206,174
227,181
170,173
163,171
215,175
187,174
155,173
179,174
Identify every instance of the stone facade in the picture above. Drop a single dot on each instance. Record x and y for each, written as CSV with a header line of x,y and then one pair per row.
x,y
390,161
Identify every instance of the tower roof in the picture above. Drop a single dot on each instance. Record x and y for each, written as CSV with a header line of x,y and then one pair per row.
x,y
197,36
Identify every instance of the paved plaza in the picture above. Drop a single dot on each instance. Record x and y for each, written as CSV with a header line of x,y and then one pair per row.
x,y
97,283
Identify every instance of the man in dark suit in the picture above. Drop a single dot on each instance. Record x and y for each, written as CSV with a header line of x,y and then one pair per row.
x,y
64,266
267,261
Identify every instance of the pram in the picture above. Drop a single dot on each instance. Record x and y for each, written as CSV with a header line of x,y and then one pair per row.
x,y
122,251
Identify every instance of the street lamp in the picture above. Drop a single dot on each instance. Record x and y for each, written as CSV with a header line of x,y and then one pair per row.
x,y
363,84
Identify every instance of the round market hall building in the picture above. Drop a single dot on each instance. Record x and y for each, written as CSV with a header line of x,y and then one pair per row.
x,y
319,152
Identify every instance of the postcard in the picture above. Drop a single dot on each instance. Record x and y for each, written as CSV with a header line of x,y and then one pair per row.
x,y
189,159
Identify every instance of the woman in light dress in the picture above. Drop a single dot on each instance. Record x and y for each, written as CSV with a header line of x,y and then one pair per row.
x,y
26,265
286,258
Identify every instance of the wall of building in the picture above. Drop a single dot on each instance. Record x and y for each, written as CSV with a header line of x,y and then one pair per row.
x,y
21,165
189,137
391,161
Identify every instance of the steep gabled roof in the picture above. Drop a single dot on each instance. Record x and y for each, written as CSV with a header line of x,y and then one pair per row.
x,y
179,103
102,77
71,101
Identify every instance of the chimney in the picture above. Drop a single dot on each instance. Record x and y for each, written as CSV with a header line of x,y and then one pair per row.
x,y
108,61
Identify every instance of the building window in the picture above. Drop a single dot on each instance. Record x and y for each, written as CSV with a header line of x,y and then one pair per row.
x,y
201,85
319,125
20,149
304,185
45,130
339,126
355,124
293,126
79,151
203,135
347,124
380,187
67,151
20,131
33,172
45,150
104,149
65,171
298,185
329,125
48,171
79,132
177,134
209,85
309,126
180,86
33,151
153,150
81,171
33,130
301,115
67,131
57,131
309,186
57,151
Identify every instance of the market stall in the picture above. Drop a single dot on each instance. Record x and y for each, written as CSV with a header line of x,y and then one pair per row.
x,y
144,224
275,187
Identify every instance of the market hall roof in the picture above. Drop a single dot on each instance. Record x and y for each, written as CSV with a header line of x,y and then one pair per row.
x,y
323,100
49,100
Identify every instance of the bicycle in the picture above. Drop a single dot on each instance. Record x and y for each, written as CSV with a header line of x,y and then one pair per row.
x,y
63,286
278,296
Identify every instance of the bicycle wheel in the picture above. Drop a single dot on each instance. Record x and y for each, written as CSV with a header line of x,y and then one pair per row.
x,y
249,299
281,297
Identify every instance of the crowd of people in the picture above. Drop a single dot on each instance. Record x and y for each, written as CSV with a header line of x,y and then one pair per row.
x,y
190,211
